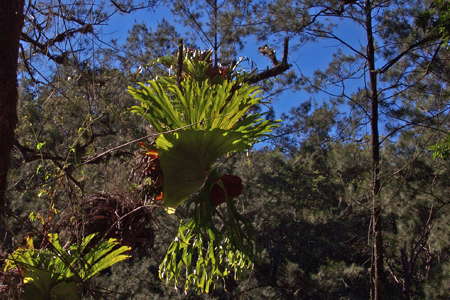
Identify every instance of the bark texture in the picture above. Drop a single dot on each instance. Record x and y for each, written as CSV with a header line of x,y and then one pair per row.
x,y
11,22
377,265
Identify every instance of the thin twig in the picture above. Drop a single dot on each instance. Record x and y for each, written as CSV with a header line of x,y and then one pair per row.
x,y
180,63
98,156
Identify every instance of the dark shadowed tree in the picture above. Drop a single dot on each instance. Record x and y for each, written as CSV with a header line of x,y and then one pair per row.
x,y
11,22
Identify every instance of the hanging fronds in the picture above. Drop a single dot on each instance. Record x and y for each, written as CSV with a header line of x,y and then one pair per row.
x,y
203,113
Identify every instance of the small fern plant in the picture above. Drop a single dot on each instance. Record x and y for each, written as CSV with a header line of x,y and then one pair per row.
x,y
58,272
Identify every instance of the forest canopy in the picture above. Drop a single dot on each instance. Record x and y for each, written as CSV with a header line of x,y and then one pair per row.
x,y
160,165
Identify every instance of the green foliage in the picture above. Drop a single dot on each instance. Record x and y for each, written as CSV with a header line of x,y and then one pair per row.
x,y
212,119
307,197
200,256
442,149
187,158
437,18
201,115
57,272
40,145
199,105
206,251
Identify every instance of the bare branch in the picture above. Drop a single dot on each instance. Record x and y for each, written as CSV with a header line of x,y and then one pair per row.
x,y
330,35
31,155
180,62
393,61
43,48
152,135
274,71
127,10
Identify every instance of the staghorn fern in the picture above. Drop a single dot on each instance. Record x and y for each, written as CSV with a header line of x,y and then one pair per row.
x,y
201,118
210,121
58,272
199,105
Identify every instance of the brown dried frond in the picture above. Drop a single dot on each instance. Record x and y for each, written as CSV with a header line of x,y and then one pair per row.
x,y
118,216
125,216
10,284
146,175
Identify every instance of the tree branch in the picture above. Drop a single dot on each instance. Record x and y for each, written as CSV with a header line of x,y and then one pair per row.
x,y
180,63
43,48
269,73
31,155
274,71
125,10
393,61
329,35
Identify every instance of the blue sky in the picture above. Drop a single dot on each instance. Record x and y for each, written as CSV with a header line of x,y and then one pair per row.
x,y
308,57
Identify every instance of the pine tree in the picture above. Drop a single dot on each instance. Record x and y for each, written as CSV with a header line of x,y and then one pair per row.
x,y
394,50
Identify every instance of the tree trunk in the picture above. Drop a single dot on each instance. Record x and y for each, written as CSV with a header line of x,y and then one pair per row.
x,y
11,22
377,267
